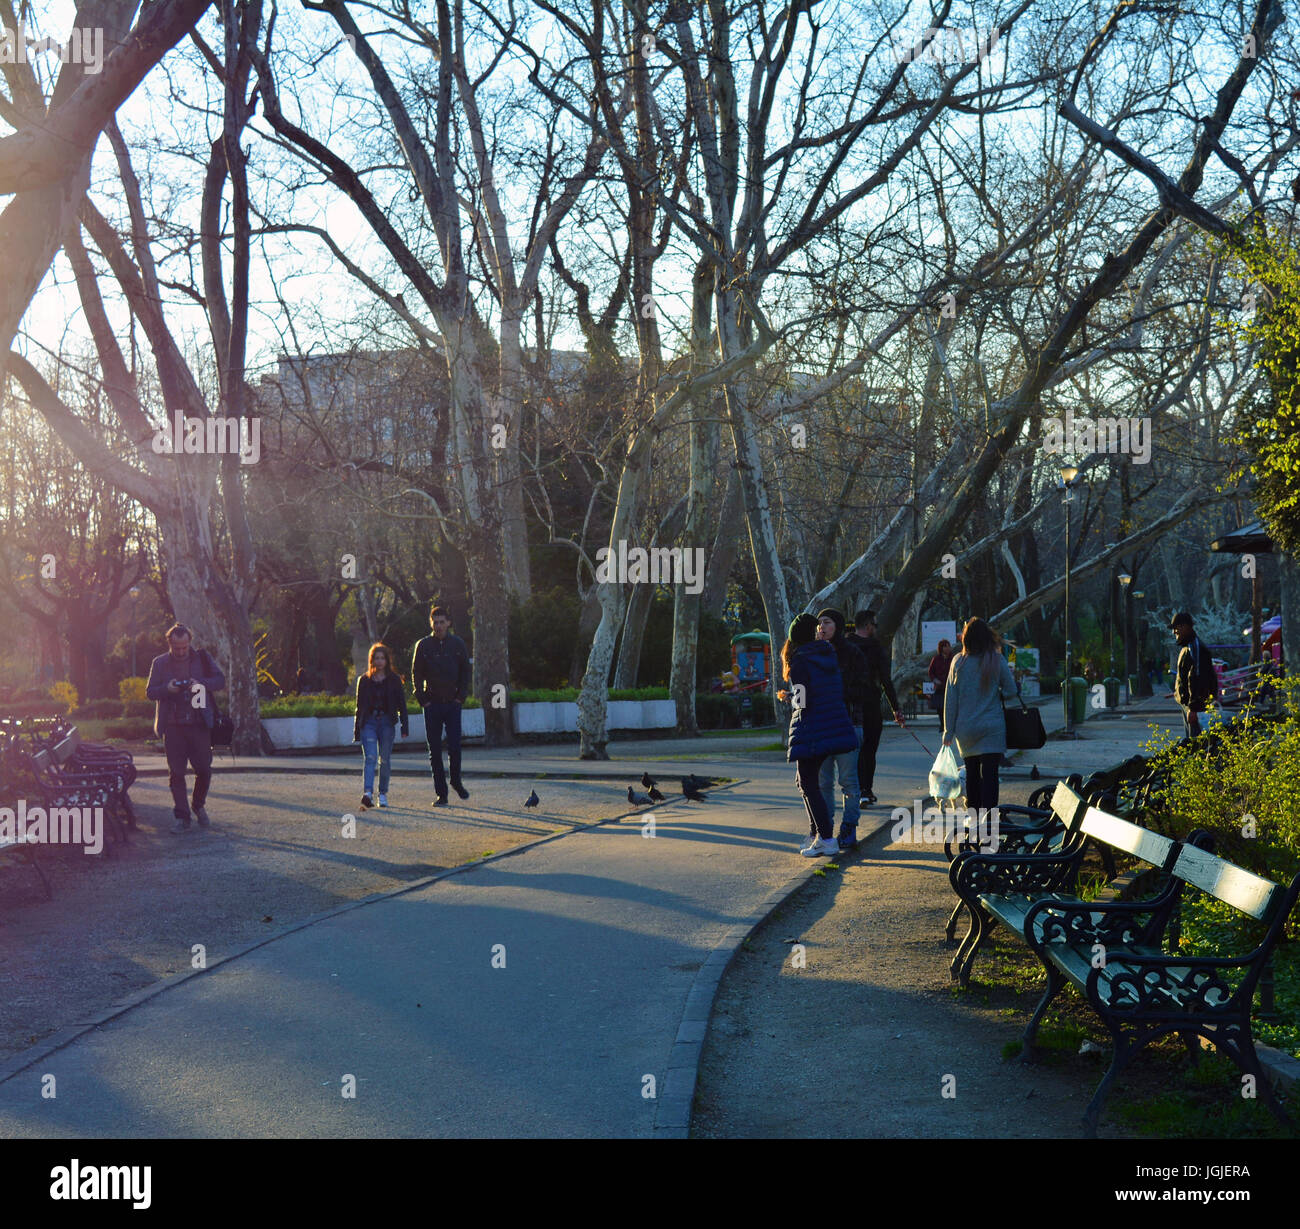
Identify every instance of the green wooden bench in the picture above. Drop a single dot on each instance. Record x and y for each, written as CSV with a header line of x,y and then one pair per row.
x,y
1032,861
1112,952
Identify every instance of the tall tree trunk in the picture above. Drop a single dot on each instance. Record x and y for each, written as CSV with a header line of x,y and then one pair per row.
x,y
629,648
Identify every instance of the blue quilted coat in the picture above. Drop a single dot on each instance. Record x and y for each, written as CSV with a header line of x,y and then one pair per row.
x,y
822,726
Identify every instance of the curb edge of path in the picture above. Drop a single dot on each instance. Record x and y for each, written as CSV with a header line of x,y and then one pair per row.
x,y
674,1108
66,1036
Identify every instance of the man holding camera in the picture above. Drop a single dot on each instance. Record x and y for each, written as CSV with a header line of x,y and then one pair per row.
x,y
181,683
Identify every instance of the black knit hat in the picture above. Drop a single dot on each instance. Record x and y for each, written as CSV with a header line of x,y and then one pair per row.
x,y
835,617
862,618
803,629
1181,617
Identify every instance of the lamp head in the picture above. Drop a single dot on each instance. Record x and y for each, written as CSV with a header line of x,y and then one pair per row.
x,y
1069,473
1125,579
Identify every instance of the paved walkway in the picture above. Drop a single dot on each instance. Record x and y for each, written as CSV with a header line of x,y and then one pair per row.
x,y
598,936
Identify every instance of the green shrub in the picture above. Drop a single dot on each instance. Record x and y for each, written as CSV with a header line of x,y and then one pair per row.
x,y
99,708
139,708
31,708
132,691
1242,784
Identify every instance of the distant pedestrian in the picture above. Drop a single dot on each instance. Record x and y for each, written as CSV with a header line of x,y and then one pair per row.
x,y
939,666
380,709
819,726
181,684
878,681
440,678
853,676
978,681
1195,683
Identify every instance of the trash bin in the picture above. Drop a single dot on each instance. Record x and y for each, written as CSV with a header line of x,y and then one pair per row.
x,y
1074,695
1112,686
1134,687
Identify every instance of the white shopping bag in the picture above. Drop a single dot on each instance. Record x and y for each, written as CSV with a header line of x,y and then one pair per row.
x,y
945,776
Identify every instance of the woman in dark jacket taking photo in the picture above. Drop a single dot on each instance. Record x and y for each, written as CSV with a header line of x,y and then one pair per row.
x,y
819,726
381,707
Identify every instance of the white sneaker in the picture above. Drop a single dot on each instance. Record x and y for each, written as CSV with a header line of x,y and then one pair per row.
x,y
809,843
383,800
821,849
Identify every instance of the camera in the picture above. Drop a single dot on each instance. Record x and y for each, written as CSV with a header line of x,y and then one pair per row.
x,y
184,683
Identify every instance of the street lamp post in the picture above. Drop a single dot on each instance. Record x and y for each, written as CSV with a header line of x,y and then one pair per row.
x,y
1069,476
1124,581
1140,636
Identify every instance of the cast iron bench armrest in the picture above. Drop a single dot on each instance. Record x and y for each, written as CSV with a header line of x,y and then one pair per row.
x,y
1002,874
1168,997
1096,921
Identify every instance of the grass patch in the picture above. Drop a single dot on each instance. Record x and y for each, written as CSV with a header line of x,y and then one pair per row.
x,y
1208,1105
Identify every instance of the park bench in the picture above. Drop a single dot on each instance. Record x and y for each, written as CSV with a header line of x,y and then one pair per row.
x,y
1112,952
1020,829
55,788
72,754
1003,888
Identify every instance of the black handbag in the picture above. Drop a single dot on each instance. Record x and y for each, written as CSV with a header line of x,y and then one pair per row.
x,y
1025,730
223,729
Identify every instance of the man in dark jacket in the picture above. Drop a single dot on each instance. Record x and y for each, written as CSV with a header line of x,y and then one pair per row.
x,y
853,674
181,683
440,680
1195,683
878,680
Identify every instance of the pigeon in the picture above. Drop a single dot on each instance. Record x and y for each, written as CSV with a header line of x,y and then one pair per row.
x,y
689,791
648,781
700,782
655,795
637,800
533,799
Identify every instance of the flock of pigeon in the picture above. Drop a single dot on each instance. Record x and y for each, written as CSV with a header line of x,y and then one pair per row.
x,y
692,789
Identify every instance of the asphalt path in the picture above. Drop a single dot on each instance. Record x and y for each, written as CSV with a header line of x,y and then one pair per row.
x,y
537,994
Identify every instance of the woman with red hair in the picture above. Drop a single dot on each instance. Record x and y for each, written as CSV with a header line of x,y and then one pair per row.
x,y
381,707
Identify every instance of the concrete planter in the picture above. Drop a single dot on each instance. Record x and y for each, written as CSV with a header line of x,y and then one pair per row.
x,y
548,717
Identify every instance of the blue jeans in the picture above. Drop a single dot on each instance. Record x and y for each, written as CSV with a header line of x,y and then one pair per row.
x,y
377,736
847,766
436,718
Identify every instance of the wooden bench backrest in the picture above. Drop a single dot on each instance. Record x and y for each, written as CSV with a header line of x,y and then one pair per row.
x,y
1229,883
1068,806
66,748
1142,843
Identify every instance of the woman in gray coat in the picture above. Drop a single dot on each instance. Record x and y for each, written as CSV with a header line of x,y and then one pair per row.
x,y
978,681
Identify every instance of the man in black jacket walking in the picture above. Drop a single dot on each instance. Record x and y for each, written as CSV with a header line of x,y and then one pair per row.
x,y
878,680
181,683
440,680
1195,683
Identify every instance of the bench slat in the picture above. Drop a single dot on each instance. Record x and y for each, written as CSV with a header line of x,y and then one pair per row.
x,y
1066,803
1227,882
1151,847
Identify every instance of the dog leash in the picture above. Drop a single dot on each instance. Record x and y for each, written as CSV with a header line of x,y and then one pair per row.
x,y
922,745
